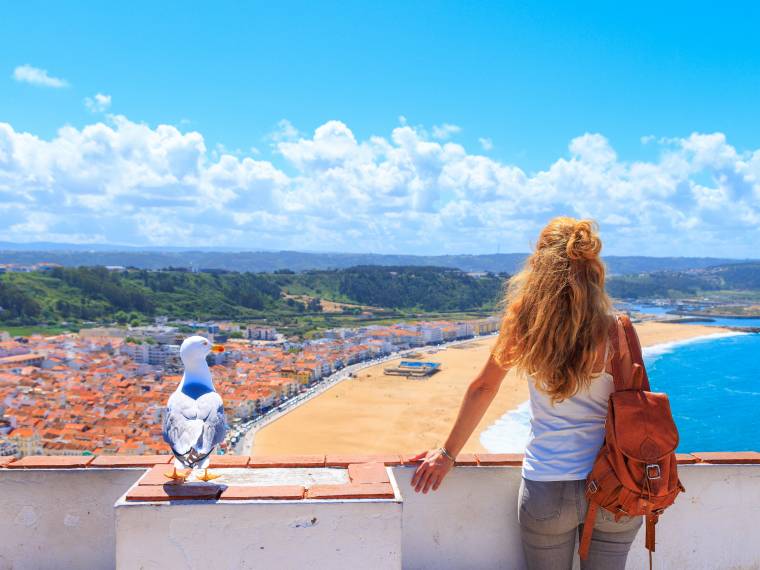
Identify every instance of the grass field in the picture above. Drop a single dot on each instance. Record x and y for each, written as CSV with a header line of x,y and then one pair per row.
x,y
32,330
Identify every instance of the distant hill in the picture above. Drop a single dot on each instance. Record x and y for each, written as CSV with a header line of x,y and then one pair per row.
x,y
674,284
268,261
96,294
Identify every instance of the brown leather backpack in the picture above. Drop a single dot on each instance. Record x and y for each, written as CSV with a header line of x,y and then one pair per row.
x,y
635,472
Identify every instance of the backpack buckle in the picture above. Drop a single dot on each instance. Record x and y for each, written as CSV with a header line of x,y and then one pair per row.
x,y
592,487
653,471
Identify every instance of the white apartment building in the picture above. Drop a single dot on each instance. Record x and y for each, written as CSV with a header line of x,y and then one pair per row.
x,y
153,354
261,333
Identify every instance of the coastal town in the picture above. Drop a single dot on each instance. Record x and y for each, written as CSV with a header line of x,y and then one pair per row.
x,y
103,390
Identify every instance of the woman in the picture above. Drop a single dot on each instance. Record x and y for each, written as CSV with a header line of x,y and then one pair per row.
x,y
555,331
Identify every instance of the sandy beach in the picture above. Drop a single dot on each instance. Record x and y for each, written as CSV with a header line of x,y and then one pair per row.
x,y
375,413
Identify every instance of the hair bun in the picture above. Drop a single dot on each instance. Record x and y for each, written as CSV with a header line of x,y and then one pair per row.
x,y
584,243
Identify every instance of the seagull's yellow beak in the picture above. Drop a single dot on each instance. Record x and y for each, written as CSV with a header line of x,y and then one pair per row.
x,y
217,348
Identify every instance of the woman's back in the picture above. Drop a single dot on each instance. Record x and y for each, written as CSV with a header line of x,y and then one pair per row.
x,y
566,436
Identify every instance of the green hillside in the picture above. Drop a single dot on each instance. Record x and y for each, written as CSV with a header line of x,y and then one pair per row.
x,y
94,294
678,284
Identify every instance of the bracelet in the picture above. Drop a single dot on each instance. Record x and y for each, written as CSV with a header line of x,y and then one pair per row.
x,y
445,452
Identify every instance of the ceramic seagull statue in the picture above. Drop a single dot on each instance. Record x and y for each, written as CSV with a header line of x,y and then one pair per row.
x,y
194,420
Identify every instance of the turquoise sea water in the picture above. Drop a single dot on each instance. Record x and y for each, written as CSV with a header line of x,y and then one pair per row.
x,y
714,390
713,385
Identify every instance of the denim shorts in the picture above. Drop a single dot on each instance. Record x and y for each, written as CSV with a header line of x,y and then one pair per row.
x,y
551,515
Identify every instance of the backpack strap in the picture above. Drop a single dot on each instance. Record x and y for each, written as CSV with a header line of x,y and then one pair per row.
x,y
588,529
639,379
617,353
628,369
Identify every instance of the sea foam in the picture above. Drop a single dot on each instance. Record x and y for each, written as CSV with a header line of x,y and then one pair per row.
x,y
508,434
652,352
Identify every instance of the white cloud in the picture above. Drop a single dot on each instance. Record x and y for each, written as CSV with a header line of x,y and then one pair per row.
x,y
36,76
99,103
127,182
285,131
443,132
594,148
486,143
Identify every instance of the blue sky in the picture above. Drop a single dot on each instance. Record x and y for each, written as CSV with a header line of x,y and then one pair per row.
x,y
445,127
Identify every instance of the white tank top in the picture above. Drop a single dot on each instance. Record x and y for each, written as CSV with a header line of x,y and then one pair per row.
x,y
565,438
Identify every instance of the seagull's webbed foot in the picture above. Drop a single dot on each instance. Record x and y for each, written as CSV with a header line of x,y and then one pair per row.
x,y
179,476
207,476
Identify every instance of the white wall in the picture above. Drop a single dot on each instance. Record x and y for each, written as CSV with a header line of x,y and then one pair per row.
x,y
60,518
470,522
64,518
714,525
281,535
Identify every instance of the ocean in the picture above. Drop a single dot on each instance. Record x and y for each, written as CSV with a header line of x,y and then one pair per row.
x,y
713,384
714,390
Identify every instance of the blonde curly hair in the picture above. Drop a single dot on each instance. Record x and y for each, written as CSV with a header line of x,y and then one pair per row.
x,y
556,314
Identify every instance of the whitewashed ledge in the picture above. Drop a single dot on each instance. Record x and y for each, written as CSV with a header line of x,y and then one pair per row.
x,y
332,512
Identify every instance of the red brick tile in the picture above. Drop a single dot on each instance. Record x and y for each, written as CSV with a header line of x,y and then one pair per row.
x,y
351,491
726,457
229,461
6,459
487,459
172,492
51,461
130,460
156,475
243,493
466,459
338,460
287,461
406,459
685,458
368,473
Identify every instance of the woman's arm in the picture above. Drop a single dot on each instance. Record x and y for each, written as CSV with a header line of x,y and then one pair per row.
x,y
475,402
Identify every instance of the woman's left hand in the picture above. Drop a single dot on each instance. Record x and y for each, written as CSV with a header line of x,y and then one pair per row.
x,y
431,471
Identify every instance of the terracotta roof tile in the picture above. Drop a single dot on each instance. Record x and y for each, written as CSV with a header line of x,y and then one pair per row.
x,y
170,492
51,461
287,461
368,473
466,459
156,475
338,460
130,460
685,458
727,457
406,459
229,461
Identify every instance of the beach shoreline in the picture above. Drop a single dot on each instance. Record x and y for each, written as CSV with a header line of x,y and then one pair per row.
x,y
376,413
510,432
